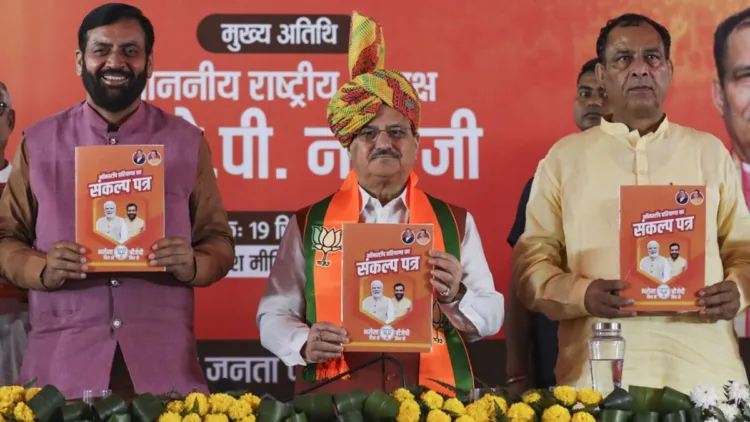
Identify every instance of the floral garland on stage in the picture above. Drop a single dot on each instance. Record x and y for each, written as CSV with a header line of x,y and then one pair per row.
x,y
416,404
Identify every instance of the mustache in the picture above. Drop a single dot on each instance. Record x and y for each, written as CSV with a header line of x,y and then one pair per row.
x,y
378,153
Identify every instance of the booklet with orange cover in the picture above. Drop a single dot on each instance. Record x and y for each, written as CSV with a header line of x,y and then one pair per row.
x,y
119,205
663,246
386,291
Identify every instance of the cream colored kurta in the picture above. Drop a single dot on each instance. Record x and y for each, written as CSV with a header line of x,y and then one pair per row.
x,y
572,238
677,266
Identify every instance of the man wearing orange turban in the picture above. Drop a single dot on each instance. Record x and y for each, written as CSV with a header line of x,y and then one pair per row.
x,y
376,118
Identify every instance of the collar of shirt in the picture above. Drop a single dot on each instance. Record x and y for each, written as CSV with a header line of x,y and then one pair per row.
x,y
741,165
372,211
633,137
4,173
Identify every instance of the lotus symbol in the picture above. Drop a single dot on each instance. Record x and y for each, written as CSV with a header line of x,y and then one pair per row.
x,y
326,241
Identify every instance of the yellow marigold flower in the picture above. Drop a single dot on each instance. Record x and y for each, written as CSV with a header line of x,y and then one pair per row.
x,y
455,406
478,412
6,407
31,392
252,399
192,417
589,397
490,400
433,400
23,413
250,418
408,411
170,417
465,418
239,410
176,406
566,395
531,398
216,417
200,399
402,394
220,402
556,413
437,415
12,393
521,412
582,417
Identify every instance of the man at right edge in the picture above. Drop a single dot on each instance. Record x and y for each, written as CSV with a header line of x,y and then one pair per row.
x,y
566,264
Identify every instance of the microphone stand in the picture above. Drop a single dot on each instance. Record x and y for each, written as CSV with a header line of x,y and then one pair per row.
x,y
353,370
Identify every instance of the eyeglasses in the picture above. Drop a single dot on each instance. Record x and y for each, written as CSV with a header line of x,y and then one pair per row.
x,y
395,133
3,107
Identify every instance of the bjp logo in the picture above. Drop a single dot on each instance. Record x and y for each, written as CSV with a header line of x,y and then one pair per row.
x,y
326,241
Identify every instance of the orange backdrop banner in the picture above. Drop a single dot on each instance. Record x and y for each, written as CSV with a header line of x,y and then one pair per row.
x,y
497,81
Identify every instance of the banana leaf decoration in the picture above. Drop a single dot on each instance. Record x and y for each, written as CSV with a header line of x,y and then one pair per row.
x,y
645,404
47,404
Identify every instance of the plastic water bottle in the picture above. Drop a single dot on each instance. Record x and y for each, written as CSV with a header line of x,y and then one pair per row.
x,y
606,355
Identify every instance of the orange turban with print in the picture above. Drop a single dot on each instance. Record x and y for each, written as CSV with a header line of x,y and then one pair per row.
x,y
355,104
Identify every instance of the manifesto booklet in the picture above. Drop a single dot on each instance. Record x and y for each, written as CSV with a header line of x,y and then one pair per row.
x,y
386,291
119,205
663,246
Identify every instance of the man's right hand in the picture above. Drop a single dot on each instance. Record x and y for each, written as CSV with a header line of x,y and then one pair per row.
x,y
65,260
325,341
602,301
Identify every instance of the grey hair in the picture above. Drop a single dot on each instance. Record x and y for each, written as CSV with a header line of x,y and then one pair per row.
x,y
6,94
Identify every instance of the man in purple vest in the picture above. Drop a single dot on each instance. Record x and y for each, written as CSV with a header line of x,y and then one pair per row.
x,y
127,332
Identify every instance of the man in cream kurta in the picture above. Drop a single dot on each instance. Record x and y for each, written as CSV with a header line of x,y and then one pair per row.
x,y
567,261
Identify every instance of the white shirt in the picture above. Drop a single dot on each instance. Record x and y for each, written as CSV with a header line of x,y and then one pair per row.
x,y
658,267
280,318
114,227
381,308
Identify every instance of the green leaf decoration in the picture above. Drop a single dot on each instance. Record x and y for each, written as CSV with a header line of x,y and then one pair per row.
x,y
646,417
350,402
107,407
619,399
146,408
315,406
119,417
355,416
681,416
614,415
297,417
646,399
674,401
272,411
29,384
381,406
47,404
76,412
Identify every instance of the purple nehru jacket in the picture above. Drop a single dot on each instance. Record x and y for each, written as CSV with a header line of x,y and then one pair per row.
x,y
75,330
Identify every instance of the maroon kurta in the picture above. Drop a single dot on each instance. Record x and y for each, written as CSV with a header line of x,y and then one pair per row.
x,y
76,329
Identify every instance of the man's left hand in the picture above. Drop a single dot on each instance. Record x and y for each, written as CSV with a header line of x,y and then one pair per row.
x,y
446,276
721,300
176,254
